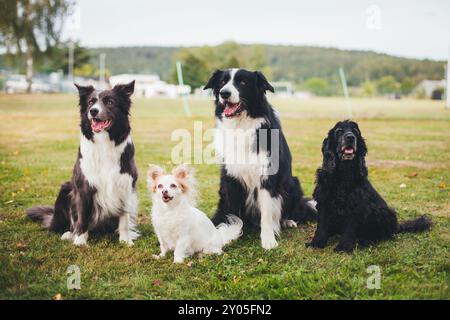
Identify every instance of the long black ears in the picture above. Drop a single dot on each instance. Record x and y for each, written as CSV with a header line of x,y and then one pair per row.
x,y
262,82
329,157
213,81
84,90
125,89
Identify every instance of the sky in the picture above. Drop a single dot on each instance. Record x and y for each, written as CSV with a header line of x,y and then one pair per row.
x,y
415,28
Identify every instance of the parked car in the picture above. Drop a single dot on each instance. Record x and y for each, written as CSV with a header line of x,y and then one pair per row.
x,y
17,83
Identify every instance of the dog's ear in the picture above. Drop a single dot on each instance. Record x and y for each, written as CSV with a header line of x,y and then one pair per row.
x,y
185,177
213,82
153,173
181,172
84,91
361,151
262,83
329,157
125,89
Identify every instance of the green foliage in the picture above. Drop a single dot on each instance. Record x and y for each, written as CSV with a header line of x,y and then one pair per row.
x,y
318,86
387,85
407,86
195,71
369,88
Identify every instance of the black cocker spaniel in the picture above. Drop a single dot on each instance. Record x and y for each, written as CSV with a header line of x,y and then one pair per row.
x,y
347,203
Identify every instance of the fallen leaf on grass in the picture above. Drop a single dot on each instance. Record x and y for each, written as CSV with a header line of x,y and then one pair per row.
x,y
57,296
402,186
189,264
414,174
441,185
156,283
21,245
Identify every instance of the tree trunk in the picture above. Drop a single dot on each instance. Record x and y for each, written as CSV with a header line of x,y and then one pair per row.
x,y
29,68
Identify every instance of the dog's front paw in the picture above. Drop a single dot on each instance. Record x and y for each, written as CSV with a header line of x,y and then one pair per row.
x,y
158,256
316,244
289,224
128,242
80,239
178,260
67,236
344,248
269,243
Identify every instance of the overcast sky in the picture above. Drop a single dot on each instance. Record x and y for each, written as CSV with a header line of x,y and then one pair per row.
x,y
415,28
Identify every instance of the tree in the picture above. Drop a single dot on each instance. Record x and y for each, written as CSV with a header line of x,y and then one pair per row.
x,y
407,86
318,86
31,27
258,61
369,88
387,85
195,71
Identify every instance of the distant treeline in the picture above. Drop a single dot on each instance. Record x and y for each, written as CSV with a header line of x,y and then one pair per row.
x,y
309,68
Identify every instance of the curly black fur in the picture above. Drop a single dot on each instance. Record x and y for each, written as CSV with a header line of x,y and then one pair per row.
x,y
347,203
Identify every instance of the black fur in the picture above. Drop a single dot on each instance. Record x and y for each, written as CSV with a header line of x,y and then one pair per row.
x,y
233,194
347,203
75,201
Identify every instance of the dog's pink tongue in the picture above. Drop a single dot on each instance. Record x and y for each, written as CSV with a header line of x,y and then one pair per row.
x,y
348,151
230,109
98,126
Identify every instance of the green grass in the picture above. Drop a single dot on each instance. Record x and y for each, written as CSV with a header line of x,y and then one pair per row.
x,y
38,143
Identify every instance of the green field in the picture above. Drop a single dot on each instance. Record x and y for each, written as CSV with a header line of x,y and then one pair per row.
x,y
409,143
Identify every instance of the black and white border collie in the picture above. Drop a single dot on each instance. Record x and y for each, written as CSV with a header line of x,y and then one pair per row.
x,y
248,189
101,196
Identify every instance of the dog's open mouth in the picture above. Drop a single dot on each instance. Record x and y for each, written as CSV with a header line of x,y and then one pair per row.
x,y
166,198
232,109
348,153
98,125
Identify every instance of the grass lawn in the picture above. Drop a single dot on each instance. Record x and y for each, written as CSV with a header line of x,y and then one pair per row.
x,y
409,143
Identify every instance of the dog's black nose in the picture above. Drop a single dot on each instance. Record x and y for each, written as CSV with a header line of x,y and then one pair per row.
x,y
93,112
225,94
350,137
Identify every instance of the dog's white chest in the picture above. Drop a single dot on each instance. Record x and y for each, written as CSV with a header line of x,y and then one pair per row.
x,y
235,144
100,165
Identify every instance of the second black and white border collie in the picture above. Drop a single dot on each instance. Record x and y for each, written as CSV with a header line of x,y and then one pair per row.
x,y
256,178
101,196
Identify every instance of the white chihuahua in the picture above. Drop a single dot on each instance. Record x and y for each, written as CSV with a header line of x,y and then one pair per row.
x,y
180,226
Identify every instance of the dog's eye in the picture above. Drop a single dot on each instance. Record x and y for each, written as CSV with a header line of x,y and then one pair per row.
x,y
92,101
222,82
339,132
109,102
160,186
173,186
243,83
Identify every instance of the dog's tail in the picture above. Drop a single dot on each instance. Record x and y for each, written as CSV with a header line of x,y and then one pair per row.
x,y
57,218
42,214
305,208
230,231
420,224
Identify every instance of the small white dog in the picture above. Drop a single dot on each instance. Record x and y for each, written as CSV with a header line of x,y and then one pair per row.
x,y
180,226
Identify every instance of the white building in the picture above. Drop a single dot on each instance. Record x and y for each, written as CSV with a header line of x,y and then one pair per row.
x,y
150,85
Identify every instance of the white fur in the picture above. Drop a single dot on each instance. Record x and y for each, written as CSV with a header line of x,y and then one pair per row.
x,y
249,173
183,228
115,196
229,86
